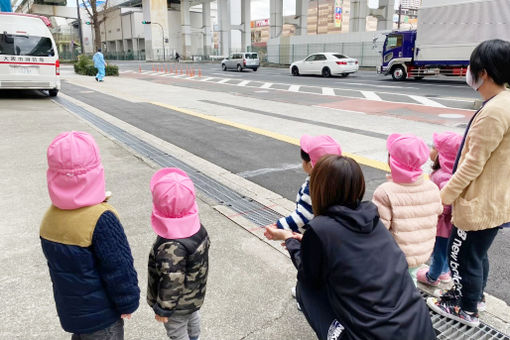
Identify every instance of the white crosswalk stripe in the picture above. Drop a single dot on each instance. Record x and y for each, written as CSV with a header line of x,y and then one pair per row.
x,y
328,91
223,80
294,88
207,78
370,95
243,83
266,86
426,101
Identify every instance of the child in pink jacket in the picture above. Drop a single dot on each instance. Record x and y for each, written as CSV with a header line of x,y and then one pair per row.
x,y
443,154
408,203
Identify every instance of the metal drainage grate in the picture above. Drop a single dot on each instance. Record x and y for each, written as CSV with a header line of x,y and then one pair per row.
x,y
448,329
250,209
260,215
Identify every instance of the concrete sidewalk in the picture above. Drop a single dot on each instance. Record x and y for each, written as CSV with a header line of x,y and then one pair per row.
x,y
248,294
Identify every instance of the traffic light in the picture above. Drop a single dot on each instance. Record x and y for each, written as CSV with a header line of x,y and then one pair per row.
x,y
145,22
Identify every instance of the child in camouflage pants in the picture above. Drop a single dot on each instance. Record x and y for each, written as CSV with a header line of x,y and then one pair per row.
x,y
178,261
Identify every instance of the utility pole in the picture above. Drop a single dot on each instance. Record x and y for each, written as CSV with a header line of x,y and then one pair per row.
x,y
399,14
79,27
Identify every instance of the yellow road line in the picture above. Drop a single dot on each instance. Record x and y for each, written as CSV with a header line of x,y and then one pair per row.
x,y
287,139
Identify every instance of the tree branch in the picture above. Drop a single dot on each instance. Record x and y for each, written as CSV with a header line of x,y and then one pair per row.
x,y
88,11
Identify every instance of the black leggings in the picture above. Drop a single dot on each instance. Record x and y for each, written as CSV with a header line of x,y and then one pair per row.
x,y
469,263
317,310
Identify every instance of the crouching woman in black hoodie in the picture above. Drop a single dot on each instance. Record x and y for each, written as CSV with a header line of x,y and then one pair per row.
x,y
353,281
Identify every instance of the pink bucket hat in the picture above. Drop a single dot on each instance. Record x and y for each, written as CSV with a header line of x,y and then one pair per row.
x,y
75,174
407,154
447,145
174,209
318,146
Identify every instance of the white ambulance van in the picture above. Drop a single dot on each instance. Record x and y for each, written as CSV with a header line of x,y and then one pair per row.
x,y
28,54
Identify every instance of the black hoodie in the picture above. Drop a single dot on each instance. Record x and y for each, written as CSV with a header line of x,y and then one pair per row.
x,y
354,257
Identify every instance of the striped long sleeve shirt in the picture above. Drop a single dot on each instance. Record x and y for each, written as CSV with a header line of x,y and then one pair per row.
x,y
303,213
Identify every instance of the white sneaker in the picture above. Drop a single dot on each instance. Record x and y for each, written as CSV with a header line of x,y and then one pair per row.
x,y
293,292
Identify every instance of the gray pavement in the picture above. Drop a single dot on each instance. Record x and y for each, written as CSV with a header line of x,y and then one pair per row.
x,y
449,91
248,294
239,150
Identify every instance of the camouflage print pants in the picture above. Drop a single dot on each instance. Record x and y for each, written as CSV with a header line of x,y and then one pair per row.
x,y
183,327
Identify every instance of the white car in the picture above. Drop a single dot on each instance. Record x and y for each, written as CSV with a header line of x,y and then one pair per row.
x,y
325,64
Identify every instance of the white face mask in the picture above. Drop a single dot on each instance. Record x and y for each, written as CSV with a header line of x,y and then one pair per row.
x,y
471,82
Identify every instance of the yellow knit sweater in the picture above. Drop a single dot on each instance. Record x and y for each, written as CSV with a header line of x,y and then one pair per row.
x,y
480,188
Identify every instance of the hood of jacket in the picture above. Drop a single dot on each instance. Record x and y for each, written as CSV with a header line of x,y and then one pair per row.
x,y
362,219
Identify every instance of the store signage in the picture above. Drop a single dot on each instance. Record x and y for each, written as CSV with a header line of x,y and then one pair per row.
x,y
338,13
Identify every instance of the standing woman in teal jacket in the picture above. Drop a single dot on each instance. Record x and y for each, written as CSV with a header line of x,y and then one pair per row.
x,y
100,64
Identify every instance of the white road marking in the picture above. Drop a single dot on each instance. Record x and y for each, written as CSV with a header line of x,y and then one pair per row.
x,y
328,91
451,115
264,171
266,86
125,71
147,72
223,74
426,101
207,78
261,91
370,95
294,88
243,83
376,85
467,100
223,80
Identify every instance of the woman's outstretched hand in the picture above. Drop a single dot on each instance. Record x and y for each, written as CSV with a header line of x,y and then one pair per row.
x,y
275,234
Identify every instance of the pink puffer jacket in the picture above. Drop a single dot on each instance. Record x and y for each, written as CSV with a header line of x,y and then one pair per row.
x,y
410,211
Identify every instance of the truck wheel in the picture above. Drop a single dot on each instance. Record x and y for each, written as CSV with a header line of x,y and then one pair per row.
x,y
295,71
223,67
255,69
239,68
326,73
53,92
398,73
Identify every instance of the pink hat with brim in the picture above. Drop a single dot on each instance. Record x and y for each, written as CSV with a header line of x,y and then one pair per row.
x,y
174,211
75,174
318,146
407,155
447,145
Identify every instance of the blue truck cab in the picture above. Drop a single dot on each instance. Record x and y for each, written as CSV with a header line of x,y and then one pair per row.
x,y
403,59
398,51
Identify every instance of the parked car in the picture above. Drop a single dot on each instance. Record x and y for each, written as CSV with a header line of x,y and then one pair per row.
x,y
28,54
240,61
325,64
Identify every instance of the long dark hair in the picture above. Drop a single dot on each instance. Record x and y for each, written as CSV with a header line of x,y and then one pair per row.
x,y
336,180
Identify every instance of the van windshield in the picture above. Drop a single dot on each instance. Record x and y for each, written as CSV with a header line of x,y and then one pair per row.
x,y
251,56
14,44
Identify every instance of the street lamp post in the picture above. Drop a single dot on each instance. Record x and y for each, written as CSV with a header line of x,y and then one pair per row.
x,y
145,22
